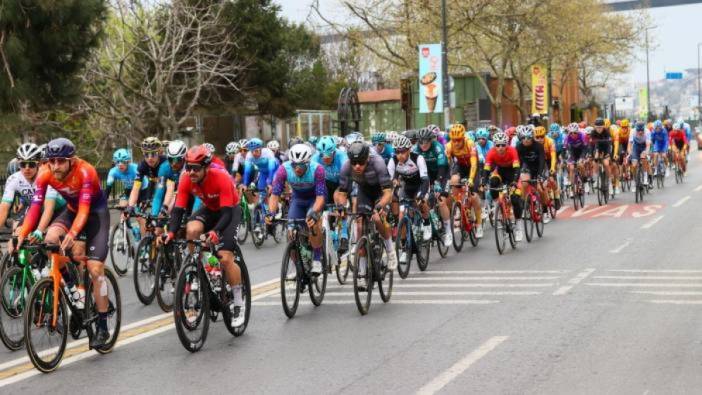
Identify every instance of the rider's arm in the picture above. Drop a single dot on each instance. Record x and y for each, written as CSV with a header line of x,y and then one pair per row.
x,y
8,198
47,214
391,168
32,217
248,169
272,167
181,202
170,194
473,164
109,182
227,200
4,211
423,176
279,180
320,189
134,195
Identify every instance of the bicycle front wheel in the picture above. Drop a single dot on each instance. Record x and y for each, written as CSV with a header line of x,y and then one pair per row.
x,y
120,247
385,276
144,271
15,289
290,280
114,309
363,276
527,218
318,282
166,277
245,294
191,311
500,229
45,331
457,228
403,247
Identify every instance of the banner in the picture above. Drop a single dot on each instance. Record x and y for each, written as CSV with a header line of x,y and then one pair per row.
x,y
431,95
643,103
539,89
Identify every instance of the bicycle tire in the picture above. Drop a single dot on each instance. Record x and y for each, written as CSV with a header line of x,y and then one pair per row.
x,y
539,223
7,263
119,268
457,224
13,312
42,289
318,283
188,273
242,232
385,278
363,297
474,240
166,275
440,246
116,306
423,253
288,259
139,273
404,244
500,230
527,219
257,219
237,331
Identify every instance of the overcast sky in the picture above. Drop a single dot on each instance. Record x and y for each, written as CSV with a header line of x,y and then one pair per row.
x,y
675,38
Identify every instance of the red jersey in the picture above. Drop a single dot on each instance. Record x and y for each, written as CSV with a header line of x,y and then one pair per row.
x,y
216,190
677,135
510,158
218,163
80,188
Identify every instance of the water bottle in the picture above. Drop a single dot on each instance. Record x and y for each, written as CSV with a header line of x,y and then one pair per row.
x,y
434,220
136,233
306,255
214,271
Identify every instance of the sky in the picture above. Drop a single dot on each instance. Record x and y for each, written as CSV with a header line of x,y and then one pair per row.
x,y
674,39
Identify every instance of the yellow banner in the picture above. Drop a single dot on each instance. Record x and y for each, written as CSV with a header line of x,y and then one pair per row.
x,y
539,89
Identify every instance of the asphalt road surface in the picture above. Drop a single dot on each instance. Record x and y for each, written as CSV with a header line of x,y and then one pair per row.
x,y
608,301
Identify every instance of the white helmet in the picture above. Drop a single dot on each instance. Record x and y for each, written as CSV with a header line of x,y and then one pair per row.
x,y
300,153
176,149
232,148
273,145
500,138
402,142
209,147
29,151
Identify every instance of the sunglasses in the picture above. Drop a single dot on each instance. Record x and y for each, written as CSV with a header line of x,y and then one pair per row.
x,y
424,141
357,163
175,160
57,161
299,165
191,167
151,154
500,145
30,164
402,150
123,162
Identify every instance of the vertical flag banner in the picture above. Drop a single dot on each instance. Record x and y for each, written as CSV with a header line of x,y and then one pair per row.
x,y
539,89
431,97
643,103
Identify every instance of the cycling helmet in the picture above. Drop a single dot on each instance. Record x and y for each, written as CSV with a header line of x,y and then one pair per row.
x,y
640,127
42,148
588,130
13,167
243,143
358,152
176,149
410,134
482,133
390,137
607,123
254,143
300,153
511,131
520,130
295,140
658,125
338,140
599,122
526,133
500,138
470,135
667,122
402,142
313,140
425,134
539,132
326,146
209,147
273,145
434,130
29,151
457,131
60,148
554,128
353,137
677,125
231,148
573,128
198,154
121,155
377,138
150,144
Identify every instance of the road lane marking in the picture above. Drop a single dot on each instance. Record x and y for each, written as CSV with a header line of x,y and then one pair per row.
x,y
482,278
649,277
448,293
646,285
461,366
682,201
668,293
622,247
699,188
674,301
490,272
401,301
652,222
654,271
573,282
474,285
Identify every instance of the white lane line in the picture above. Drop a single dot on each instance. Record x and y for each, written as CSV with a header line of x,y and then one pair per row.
x,y
646,285
573,282
490,272
449,293
668,293
649,277
699,188
652,222
81,356
682,201
675,301
622,247
473,285
461,366
481,278
654,271
401,301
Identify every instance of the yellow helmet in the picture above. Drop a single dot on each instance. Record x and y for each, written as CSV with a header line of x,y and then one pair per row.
x,y
608,123
539,131
457,132
625,123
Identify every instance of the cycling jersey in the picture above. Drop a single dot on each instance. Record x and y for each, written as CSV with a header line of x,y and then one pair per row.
x,y
266,165
531,158
18,186
437,163
308,186
482,150
509,158
126,177
640,139
558,141
659,140
601,142
678,137
146,171
80,188
165,174
464,157
374,178
550,153
332,170
411,173
387,152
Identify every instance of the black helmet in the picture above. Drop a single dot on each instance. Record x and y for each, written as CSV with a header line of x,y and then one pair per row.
x,y
411,134
425,134
60,148
640,126
295,140
358,152
599,122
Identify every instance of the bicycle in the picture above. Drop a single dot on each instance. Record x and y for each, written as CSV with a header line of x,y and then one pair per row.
x,y
332,234
15,286
504,224
578,190
296,269
144,270
260,230
639,187
463,221
660,173
409,239
200,297
602,184
123,238
169,260
372,247
533,215
245,225
48,303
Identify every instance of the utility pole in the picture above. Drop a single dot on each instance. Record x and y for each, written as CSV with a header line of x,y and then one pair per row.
x,y
648,84
444,66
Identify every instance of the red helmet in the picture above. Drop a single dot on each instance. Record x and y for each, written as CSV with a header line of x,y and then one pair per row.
x,y
511,131
198,154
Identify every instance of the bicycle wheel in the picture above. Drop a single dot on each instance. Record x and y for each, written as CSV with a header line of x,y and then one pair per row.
x,y
8,262
245,293
114,309
526,218
423,252
258,233
342,268
500,229
191,311
457,226
385,276
362,295
242,232
120,247
403,247
144,272
443,248
46,341
290,282
15,289
600,190
538,219
576,198
166,277
318,283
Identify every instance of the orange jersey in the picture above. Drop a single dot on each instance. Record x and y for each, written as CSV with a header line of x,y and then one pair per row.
x,y
463,155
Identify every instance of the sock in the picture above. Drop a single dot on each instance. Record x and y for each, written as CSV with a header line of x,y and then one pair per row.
x,y
102,321
317,253
388,244
447,225
238,297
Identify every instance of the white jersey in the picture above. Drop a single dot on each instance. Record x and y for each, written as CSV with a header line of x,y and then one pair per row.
x,y
17,185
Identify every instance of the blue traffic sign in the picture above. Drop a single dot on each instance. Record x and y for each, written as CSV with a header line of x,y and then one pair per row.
x,y
673,76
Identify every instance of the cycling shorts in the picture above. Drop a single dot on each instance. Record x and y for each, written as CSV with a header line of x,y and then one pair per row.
x,y
636,151
366,200
299,207
659,147
210,218
575,154
95,233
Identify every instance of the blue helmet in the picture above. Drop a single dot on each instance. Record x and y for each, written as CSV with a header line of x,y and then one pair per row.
x,y
60,148
482,133
554,128
471,135
658,124
254,143
640,126
326,146
377,137
313,140
121,155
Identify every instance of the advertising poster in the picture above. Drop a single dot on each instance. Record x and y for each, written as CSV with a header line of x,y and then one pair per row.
x,y
430,77
539,89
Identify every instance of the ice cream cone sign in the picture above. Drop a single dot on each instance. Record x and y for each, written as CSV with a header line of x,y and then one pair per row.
x,y
430,78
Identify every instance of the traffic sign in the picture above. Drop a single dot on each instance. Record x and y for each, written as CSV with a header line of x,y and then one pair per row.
x,y
673,76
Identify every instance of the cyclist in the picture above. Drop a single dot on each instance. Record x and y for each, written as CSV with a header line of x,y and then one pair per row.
x,y
168,175
280,156
437,166
85,214
371,175
639,146
239,159
533,160
679,145
148,168
313,140
483,146
621,142
551,158
381,147
218,217
576,146
462,155
332,160
231,151
260,159
501,166
309,192
125,172
601,146
659,146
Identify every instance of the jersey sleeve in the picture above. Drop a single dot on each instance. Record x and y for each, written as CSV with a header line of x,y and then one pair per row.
x,y
441,159
226,190
384,179
183,194
248,168
281,176
391,168
32,218
320,186
8,195
85,195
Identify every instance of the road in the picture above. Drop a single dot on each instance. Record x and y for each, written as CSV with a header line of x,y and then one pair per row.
x,y
608,301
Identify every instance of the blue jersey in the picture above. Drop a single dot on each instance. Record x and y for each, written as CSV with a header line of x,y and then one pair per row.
x,y
659,140
482,151
332,171
126,178
387,153
266,164
305,187
165,173
558,141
